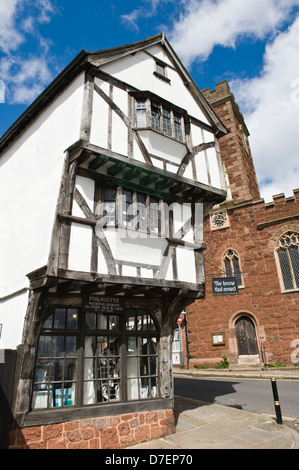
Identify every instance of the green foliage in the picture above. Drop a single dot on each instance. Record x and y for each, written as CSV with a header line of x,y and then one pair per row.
x,y
223,364
276,364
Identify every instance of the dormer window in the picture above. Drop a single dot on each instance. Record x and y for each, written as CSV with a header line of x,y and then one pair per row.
x,y
155,115
161,71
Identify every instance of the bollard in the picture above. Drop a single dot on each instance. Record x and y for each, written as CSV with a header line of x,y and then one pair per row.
x,y
276,401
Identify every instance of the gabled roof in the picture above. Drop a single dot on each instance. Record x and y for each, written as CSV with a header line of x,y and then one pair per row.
x,y
98,58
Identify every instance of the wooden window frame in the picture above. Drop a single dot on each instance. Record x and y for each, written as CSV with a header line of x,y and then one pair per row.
x,y
291,272
133,224
156,121
235,255
123,333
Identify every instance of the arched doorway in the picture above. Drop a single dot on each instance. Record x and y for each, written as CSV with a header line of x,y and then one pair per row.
x,y
246,337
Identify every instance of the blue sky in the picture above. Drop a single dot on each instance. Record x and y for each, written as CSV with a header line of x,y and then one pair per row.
x,y
253,44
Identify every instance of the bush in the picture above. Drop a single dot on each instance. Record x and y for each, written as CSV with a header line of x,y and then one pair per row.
x,y
223,364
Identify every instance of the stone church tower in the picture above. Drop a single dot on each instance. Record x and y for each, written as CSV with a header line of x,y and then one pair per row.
x,y
258,244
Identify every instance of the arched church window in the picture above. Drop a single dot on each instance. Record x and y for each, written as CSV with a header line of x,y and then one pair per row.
x,y
231,265
287,250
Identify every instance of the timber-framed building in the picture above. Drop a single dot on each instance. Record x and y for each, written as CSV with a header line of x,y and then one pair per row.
x,y
105,181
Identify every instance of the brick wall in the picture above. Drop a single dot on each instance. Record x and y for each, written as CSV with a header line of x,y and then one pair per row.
x,y
254,228
116,432
235,155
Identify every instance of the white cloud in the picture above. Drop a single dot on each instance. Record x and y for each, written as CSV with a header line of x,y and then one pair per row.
x,y
270,101
147,9
270,104
204,24
10,37
25,75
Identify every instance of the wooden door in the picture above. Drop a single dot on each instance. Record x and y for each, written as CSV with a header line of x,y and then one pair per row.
x,y
246,336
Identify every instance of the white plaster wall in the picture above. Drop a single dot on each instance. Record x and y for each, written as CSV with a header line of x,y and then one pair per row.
x,y
185,264
12,315
99,125
80,248
30,175
86,187
138,71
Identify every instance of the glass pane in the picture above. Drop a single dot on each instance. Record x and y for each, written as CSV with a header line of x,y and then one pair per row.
x,y
114,390
285,270
144,365
71,346
102,345
228,268
58,346
39,397
68,394
132,389
113,322
49,322
153,365
294,255
144,388
57,396
56,370
42,371
141,211
132,345
155,116
132,366
131,322
166,121
89,369
59,318
72,318
114,346
44,346
102,321
89,393
90,321
90,346
153,346
70,369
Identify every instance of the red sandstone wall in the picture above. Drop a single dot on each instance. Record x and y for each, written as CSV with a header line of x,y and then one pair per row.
x,y
276,314
116,432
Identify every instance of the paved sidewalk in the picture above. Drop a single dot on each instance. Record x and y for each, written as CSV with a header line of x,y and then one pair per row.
x,y
201,425
279,373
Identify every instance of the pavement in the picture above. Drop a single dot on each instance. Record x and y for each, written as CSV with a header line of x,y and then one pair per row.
x,y
202,425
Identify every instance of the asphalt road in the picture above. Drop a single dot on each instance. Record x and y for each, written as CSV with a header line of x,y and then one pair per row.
x,y
246,394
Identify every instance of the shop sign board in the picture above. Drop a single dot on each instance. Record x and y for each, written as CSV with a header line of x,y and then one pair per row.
x,y
101,304
225,286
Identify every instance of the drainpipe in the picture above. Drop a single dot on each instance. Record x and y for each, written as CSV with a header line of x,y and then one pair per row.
x,y
187,341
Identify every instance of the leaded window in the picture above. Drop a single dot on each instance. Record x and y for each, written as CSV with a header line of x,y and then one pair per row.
x,y
132,210
162,118
95,358
232,265
288,256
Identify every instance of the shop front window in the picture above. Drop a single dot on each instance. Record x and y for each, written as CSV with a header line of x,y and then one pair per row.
x,y
118,363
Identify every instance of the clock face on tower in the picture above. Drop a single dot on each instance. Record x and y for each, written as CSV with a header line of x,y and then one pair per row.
x,y
219,220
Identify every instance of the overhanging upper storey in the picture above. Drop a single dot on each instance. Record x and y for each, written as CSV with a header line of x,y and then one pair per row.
x,y
103,165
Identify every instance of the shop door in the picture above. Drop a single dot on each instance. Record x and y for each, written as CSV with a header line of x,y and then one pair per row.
x,y
246,337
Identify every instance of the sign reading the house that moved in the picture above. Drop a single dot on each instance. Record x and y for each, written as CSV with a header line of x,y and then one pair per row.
x,y
225,286
99,304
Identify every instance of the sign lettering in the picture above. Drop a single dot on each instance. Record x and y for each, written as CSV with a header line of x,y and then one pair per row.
x,y
99,304
225,286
